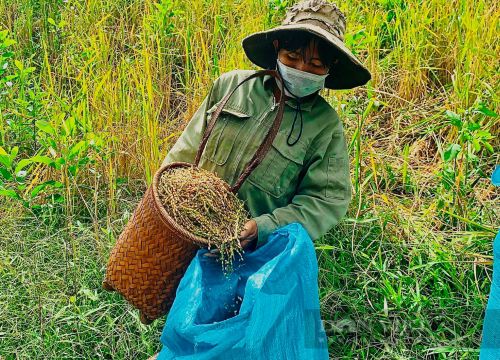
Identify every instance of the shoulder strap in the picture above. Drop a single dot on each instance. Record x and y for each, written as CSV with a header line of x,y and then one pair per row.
x,y
268,140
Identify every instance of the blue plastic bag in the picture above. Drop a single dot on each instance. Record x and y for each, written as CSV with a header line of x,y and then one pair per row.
x,y
490,344
268,308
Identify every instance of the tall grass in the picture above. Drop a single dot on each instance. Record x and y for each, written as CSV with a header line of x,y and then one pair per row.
x,y
100,92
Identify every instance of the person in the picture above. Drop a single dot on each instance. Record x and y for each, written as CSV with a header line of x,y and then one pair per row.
x,y
304,177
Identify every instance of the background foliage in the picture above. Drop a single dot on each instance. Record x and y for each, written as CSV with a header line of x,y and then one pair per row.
x,y
94,93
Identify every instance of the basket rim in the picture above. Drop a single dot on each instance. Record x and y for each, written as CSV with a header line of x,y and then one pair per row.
x,y
167,219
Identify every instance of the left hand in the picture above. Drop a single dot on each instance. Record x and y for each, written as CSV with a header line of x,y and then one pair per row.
x,y
247,235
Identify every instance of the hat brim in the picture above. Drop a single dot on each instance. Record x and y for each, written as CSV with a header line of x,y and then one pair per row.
x,y
348,72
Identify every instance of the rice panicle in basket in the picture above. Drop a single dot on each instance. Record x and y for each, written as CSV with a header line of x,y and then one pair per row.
x,y
202,204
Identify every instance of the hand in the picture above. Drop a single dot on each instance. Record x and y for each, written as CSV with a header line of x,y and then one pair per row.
x,y
247,236
249,230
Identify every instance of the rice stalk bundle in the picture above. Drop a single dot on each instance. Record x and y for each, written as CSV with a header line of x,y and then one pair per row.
x,y
201,202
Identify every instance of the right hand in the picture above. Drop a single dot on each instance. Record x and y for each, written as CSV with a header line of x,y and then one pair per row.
x,y
247,237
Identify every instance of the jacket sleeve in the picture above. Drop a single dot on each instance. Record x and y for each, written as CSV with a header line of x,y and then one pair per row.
x,y
186,146
323,194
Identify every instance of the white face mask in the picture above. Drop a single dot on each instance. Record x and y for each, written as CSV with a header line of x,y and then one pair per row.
x,y
300,83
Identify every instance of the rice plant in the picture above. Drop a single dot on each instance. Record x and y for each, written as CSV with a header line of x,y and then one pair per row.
x,y
93,94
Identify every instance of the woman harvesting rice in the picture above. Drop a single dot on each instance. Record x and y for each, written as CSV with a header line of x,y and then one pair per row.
x,y
305,175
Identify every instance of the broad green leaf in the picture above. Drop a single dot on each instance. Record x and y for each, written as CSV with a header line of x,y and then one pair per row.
x,y
472,126
57,184
452,152
45,126
476,144
488,146
13,152
52,143
58,163
7,55
76,148
57,198
6,175
484,134
83,161
19,64
51,21
9,193
6,161
72,169
21,102
22,164
69,126
9,42
481,108
471,156
42,159
454,118
40,187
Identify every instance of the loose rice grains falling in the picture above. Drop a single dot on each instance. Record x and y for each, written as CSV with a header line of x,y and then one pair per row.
x,y
201,203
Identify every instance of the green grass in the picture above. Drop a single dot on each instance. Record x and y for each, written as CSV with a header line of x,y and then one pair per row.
x,y
95,93
401,300
52,304
381,297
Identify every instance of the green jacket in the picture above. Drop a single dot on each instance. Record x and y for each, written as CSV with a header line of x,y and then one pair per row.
x,y
308,182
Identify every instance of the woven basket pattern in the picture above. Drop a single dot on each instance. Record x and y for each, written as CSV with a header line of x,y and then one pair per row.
x,y
148,260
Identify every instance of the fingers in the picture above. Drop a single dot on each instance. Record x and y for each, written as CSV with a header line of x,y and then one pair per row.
x,y
244,243
244,234
249,230
247,236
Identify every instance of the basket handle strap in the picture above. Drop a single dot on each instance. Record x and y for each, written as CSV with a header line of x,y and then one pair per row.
x,y
268,140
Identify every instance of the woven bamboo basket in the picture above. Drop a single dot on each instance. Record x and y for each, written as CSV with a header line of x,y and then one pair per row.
x,y
153,251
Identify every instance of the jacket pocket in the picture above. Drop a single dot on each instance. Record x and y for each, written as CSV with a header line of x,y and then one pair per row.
x,y
336,178
226,131
278,172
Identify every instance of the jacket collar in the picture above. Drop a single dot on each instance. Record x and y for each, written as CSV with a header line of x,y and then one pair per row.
x,y
305,105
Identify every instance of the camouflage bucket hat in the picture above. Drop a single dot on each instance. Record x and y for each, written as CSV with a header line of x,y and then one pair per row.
x,y
323,19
